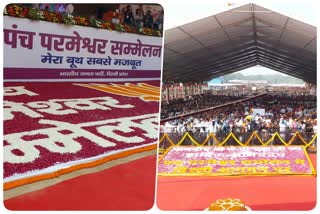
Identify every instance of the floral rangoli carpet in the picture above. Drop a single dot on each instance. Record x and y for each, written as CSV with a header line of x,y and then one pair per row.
x,y
54,128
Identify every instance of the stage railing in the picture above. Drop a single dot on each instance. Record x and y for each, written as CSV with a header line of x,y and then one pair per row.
x,y
306,139
212,108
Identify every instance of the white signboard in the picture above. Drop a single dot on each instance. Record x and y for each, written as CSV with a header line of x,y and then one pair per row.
x,y
260,111
45,50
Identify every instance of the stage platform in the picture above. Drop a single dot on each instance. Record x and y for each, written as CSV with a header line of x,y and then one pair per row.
x,y
258,192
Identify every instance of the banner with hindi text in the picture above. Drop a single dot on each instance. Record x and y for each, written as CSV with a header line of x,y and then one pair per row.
x,y
45,50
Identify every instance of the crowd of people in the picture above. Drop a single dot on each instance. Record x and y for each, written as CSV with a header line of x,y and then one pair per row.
x,y
138,17
141,18
194,103
282,113
55,8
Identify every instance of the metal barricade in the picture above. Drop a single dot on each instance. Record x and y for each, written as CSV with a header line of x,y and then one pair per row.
x,y
306,139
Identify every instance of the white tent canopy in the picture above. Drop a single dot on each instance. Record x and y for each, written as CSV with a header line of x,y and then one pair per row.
x,y
237,39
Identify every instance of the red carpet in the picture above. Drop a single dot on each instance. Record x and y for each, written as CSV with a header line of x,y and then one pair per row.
x,y
124,187
259,193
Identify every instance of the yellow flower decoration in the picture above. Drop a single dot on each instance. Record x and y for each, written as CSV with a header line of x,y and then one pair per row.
x,y
228,204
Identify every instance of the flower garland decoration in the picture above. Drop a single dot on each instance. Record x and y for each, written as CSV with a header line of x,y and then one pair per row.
x,y
120,28
312,149
52,17
36,14
127,28
227,204
231,135
107,26
68,19
157,33
17,11
81,21
96,23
